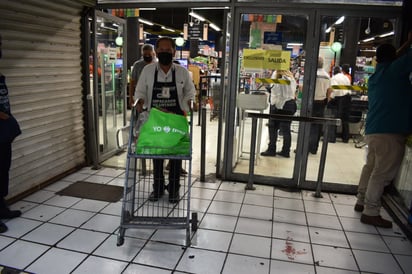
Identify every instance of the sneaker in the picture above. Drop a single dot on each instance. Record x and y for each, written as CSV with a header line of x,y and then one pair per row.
x,y
3,227
6,213
155,196
376,221
174,197
283,153
358,208
268,153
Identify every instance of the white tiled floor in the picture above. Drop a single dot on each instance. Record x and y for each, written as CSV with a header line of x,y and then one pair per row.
x,y
268,230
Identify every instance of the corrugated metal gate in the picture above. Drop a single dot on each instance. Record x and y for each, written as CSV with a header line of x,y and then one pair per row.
x,y
42,64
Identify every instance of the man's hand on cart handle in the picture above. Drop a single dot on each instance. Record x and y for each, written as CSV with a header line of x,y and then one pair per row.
x,y
139,105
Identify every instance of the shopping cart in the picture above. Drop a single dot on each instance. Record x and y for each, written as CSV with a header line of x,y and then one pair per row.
x,y
140,213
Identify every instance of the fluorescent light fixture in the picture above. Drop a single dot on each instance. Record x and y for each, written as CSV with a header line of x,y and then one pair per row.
x,y
340,20
195,15
213,26
147,8
368,39
291,45
328,29
145,22
387,34
171,30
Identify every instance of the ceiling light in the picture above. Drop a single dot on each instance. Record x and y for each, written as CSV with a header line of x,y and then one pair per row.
x,y
328,29
340,20
195,15
368,39
171,30
145,22
291,45
387,34
213,26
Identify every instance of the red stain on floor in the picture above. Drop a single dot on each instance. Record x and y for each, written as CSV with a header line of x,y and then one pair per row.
x,y
290,251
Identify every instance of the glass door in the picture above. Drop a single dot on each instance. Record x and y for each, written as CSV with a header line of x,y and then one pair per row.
x,y
270,64
347,57
110,82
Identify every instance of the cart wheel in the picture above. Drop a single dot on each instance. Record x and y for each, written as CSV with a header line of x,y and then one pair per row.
x,y
120,240
120,237
194,221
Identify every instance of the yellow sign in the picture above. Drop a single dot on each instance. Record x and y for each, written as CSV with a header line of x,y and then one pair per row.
x,y
266,59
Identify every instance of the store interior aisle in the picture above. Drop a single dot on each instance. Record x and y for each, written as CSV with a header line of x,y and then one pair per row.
x,y
268,230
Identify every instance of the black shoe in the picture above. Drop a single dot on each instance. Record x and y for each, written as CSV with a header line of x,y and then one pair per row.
x,y
3,227
6,213
268,153
283,153
313,152
376,221
174,197
155,196
183,171
358,208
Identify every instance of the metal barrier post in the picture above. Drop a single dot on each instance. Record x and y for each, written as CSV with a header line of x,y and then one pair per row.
x,y
318,193
203,145
249,185
92,133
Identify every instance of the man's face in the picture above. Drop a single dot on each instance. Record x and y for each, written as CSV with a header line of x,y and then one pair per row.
x,y
165,46
148,53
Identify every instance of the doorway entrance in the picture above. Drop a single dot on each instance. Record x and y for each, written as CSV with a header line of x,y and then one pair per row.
x,y
109,82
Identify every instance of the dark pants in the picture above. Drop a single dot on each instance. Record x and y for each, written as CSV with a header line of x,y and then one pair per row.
x,y
274,125
174,176
343,110
5,163
316,129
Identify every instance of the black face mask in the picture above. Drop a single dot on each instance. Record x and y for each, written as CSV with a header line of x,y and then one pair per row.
x,y
165,58
147,59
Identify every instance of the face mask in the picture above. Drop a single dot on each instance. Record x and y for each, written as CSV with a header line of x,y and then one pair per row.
x,y
147,59
165,58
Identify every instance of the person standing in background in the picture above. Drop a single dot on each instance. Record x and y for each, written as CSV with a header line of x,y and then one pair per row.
x,y
388,123
148,57
9,129
346,72
322,96
168,87
342,101
282,99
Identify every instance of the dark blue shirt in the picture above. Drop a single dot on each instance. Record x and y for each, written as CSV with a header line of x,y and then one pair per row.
x,y
390,97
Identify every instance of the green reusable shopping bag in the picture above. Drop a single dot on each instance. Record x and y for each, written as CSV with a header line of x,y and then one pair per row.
x,y
164,133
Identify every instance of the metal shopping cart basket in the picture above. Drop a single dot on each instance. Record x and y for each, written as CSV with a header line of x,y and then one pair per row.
x,y
140,213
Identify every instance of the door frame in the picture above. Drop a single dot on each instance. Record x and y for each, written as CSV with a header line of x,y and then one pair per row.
x,y
95,96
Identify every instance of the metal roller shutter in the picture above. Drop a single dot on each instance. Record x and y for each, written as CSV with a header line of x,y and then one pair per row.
x,y
42,64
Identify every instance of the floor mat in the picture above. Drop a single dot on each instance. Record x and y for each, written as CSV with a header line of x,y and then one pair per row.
x,y
94,191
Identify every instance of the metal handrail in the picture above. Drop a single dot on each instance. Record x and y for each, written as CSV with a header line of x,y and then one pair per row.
x,y
317,120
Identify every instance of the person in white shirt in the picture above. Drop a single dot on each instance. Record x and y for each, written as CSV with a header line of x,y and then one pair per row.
x,y
282,98
342,100
168,87
322,96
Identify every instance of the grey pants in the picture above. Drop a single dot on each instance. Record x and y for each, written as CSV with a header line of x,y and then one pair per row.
x,y
384,158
